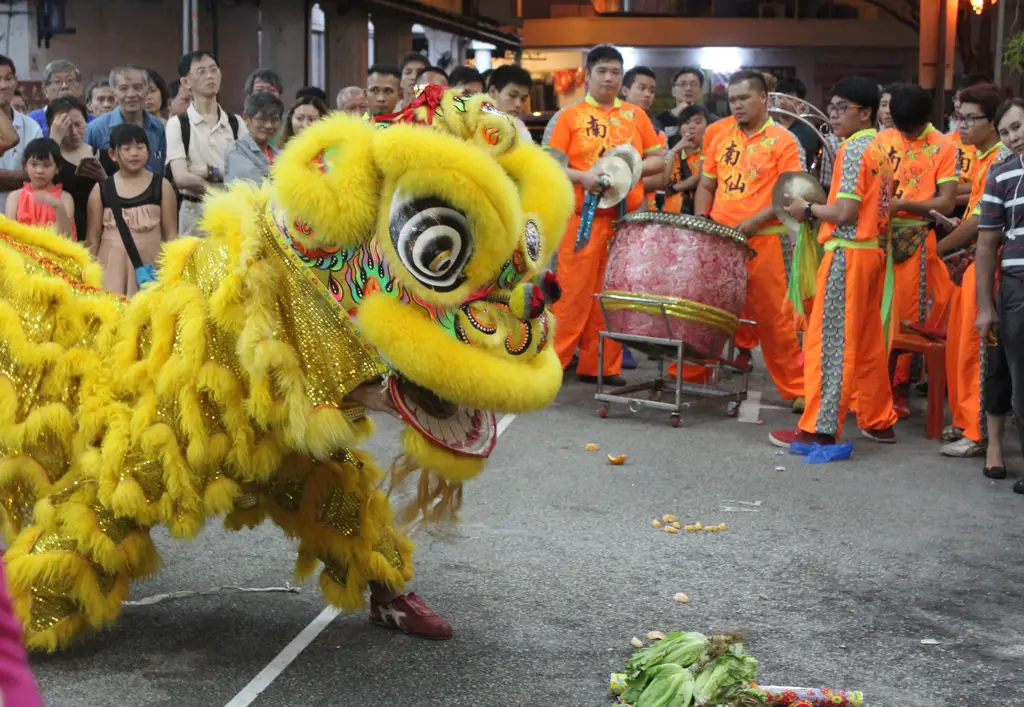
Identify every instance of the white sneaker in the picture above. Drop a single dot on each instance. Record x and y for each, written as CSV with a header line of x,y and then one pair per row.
x,y
963,448
951,433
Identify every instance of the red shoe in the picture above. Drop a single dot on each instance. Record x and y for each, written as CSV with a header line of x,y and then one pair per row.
x,y
901,406
408,613
886,436
785,438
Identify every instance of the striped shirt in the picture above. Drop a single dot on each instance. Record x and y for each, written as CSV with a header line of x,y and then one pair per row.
x,y
1002,209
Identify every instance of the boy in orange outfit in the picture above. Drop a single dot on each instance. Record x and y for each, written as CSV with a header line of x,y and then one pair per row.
x,y
846,358
924,180
579,135
739,174
964,350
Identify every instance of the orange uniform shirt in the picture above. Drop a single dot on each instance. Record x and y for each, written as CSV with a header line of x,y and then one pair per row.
x,y
965,155
920,165
580,134
979,173
863,173
714,131
747,168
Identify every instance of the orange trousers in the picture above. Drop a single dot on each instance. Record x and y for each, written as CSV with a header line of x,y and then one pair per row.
x,y
577,313
964,360
845,353
767,305
920,280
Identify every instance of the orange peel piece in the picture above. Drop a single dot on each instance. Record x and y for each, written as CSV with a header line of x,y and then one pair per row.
x,y
591,447
655,523
670,529
617,461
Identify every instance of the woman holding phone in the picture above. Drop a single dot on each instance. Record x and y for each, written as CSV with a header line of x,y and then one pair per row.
x,y
81,169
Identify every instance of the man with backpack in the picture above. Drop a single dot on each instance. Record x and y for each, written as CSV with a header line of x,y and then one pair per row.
x,y
198,138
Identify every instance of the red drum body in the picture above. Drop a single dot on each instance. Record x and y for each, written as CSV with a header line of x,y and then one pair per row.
x,y
690,267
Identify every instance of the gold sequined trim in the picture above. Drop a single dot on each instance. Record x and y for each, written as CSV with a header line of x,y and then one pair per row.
x,y
342,512
334,358
246,501
387,547
17,502
206,266
148,473
48,610
117,529
286,493
336,570
53,542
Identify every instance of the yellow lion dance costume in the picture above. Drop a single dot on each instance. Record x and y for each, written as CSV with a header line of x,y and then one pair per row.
x,y
393,260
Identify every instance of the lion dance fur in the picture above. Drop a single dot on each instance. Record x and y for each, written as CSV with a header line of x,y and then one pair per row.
x,y
401,258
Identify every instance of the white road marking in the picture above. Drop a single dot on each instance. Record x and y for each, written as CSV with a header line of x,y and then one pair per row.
x,y
750,409
265,677
504,422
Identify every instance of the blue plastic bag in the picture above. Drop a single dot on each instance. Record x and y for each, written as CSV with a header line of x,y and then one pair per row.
x,y
144,274
815,453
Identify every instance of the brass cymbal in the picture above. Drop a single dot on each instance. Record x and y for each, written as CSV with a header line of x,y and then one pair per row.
x,y
623,167
792,184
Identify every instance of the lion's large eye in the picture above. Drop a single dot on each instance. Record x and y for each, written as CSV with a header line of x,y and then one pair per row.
x,y
432,239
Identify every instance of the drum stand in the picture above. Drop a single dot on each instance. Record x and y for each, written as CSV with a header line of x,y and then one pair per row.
x,y
664,349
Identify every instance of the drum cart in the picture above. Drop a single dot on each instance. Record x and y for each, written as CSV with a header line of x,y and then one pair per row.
x,y
672,350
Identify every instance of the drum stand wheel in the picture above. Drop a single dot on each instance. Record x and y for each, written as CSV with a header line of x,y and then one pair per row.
x,y
675,419
602,411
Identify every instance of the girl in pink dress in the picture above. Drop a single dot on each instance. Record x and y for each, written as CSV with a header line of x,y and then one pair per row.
x,y
17,686
39,202
147,203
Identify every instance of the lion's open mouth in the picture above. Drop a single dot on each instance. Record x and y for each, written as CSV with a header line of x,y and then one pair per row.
x,y
462,429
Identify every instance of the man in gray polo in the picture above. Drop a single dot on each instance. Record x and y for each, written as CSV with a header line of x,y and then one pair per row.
x,y
1001,318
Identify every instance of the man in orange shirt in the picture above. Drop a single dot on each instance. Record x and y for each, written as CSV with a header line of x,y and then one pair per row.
x,y
846,359
924,180
964,350
739,173
579,135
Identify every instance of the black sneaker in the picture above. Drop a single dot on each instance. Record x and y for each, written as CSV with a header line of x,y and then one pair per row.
x,y
608,380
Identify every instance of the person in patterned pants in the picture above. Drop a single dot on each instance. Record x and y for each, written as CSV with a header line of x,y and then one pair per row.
x,y
845,358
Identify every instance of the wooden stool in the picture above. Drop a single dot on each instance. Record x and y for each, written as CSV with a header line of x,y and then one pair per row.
x,y
934,352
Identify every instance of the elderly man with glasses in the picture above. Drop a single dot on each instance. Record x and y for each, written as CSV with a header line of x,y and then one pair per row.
x,y
61,79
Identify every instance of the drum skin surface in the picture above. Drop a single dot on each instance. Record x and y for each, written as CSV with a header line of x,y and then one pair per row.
x,y
680,257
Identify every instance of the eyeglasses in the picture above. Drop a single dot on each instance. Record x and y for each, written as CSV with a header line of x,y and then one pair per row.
x,y
269,121
968,121
63,83
840,107
203,71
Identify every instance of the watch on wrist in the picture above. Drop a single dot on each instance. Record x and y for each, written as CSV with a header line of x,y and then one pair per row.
x,y
808,211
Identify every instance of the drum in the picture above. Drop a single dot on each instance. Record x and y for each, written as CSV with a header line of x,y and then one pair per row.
x,y
687,270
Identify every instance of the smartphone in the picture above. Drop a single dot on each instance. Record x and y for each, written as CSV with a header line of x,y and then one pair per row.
x,y
943,220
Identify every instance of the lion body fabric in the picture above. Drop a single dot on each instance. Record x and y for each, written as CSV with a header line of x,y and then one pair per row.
x,y
223,389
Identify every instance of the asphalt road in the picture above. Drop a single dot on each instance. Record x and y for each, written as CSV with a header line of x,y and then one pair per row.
x,y
838,576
